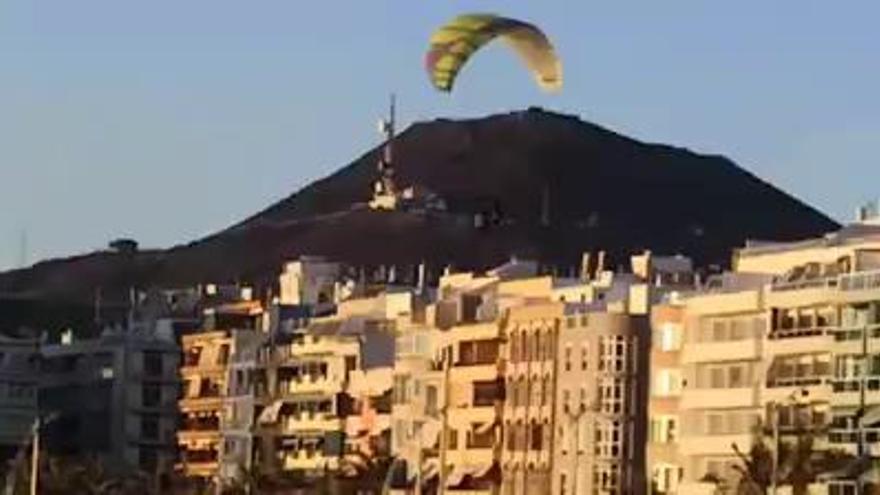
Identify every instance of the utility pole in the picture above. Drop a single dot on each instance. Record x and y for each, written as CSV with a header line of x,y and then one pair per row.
x,y
774,420
35,455
860,449
444,430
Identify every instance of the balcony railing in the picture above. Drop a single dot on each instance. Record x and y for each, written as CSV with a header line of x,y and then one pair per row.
x,y
790,333
796,381
852,384
844,435
865,280
199,456
860,281
201,425
810,283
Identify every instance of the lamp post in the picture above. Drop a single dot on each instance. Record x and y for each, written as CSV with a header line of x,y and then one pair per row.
x,y
38,424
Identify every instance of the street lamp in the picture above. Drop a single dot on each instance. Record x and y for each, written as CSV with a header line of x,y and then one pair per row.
x,y
37,425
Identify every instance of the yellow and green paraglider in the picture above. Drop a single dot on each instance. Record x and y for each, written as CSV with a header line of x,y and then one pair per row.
x,y
453,44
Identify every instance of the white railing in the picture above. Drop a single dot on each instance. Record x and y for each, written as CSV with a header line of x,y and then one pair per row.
x,y
811,283
860,281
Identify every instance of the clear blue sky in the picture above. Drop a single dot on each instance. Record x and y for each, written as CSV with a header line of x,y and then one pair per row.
x,y
165,120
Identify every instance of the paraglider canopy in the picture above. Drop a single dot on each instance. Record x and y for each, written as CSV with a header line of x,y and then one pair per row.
x,y
454,43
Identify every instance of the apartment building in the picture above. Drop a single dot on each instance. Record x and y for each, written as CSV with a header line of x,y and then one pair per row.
x,y
330,382
18,392
664,403
785,341
217,405
113,396
531,332
601,400
723,369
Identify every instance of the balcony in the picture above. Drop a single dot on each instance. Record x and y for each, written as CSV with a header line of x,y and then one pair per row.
x,y
307,459
798,341
309,385
847,440
206,424
310,422
199,462
860,281
736,350
474,373
466,457
209,402
846,390
804,283
714,444
718,398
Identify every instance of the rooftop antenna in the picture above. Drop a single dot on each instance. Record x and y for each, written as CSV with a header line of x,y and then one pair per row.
x,y
386,163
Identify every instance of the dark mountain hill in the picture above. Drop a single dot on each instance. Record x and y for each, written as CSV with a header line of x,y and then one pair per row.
x,y
593,189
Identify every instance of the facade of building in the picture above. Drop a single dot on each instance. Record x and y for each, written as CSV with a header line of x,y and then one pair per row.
x,y
329,383
664,403
18,392
531,334
783,345
601,403
114,397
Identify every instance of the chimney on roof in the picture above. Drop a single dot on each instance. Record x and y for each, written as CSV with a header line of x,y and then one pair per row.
x,y
585,266
868,213
600,264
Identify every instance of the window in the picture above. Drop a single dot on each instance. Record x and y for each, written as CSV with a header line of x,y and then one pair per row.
x,y
568,358
151,395
148,460
152,363
585,351
670,337
223,355
536,437
715,424
611,395
563,484
431,408
537,393
548,347
514,348
736,376
666,477
485,393
150,427
478,352
664,429
608,439
606,478
480,436
716,377
613,354
566,399
452,440
667,382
